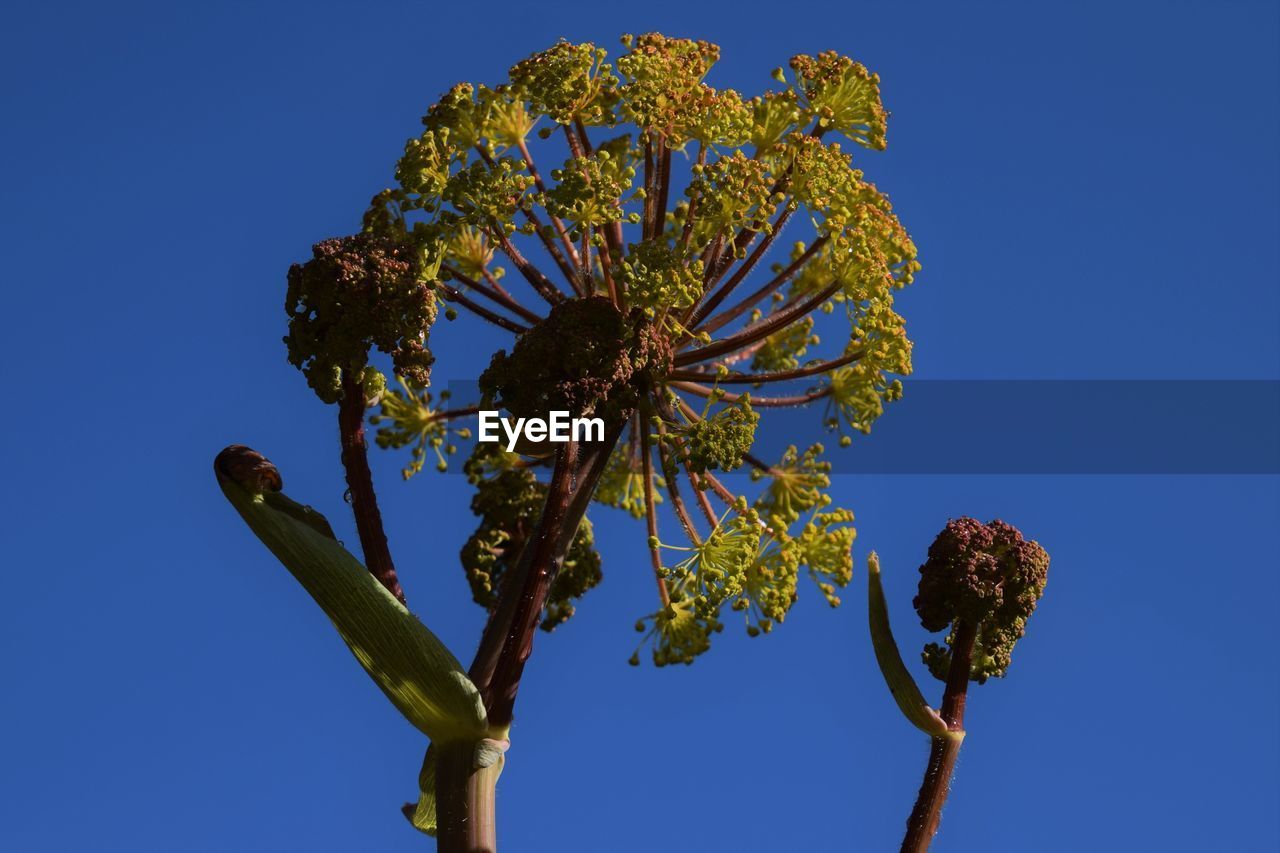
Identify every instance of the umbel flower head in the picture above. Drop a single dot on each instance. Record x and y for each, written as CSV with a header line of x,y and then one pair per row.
x,y
986,575
622,218
354,294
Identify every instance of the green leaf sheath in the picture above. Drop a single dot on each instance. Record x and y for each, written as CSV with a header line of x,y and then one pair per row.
x,y
411,666
903,687
423,814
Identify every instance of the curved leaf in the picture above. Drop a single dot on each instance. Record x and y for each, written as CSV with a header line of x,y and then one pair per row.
x,y
411,666
903,687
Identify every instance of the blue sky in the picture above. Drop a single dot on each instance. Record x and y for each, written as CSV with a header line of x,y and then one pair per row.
x,y
1095,192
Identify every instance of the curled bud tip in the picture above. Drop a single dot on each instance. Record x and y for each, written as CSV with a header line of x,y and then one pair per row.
x,y
248,469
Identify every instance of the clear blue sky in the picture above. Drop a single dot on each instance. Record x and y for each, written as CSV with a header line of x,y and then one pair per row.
x,y
1095,192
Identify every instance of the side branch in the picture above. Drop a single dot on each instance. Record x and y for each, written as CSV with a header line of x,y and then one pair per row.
x,y
759,402
744,269
762,378
498,664
673,490
729,315
539,282
758,330
493,295
452,294
364,502
651,509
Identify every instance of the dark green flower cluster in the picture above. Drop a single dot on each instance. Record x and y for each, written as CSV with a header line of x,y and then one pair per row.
x,y
985,575
508,500
581,359
354,294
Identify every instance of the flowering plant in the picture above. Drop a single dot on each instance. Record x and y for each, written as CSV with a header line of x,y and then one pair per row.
x,y
654,294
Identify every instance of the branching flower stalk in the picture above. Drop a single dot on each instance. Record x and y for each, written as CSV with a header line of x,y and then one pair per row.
x,y
981,583
646,241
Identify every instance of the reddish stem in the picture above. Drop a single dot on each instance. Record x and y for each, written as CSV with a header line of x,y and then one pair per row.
x,y
496,670
730,314
922,825
651,510
761,378
758,330
664,188
494,293
364,502
762,402
545,558
744,269
452,294
539,282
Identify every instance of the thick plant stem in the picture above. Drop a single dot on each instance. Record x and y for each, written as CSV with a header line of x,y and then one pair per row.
x,y
465,801
364,502
927,814
465,795
546,557
500,630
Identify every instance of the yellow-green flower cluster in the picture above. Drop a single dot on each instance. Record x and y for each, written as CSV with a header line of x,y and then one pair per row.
x,y
754,569
471,252
484,195
733,193
652,199
698,587
424,170
775,116
663,91
859,390
842,95
591,191
825,546
679,634
784,348
407,418
769,588
720,441
568,82
797,484
657,277
622,484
